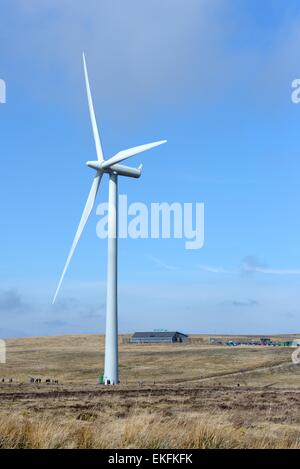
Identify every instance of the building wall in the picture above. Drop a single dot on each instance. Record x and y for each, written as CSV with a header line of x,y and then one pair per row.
x,y
152,340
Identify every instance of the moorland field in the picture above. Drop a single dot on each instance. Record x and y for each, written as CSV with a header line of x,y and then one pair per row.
x,y
193,395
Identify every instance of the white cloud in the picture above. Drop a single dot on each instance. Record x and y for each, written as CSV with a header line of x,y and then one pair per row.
x,y
147,55
161,263
137,51
215,270
253,265
250,265
270,271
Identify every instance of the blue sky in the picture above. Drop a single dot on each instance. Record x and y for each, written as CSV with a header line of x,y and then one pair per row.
x,y
214,78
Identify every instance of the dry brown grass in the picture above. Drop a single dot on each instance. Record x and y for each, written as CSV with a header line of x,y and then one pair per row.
x,y
171,396
139,431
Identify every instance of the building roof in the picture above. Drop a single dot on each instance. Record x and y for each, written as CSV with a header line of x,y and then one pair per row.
x,y
157,334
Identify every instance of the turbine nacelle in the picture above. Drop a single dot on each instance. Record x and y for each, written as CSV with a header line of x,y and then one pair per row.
x,y
119,169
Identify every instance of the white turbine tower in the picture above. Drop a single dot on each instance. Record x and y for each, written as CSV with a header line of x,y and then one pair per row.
x,y
114,170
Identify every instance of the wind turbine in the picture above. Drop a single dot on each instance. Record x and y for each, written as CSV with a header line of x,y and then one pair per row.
x,y
112,167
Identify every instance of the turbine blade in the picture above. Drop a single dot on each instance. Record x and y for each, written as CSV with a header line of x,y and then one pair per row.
x,y
85,215
124,154
92,113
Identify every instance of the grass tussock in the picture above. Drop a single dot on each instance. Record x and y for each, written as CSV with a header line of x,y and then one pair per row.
x,y
138,431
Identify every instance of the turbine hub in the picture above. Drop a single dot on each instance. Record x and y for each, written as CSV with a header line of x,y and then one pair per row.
x,y
94,165
118,169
